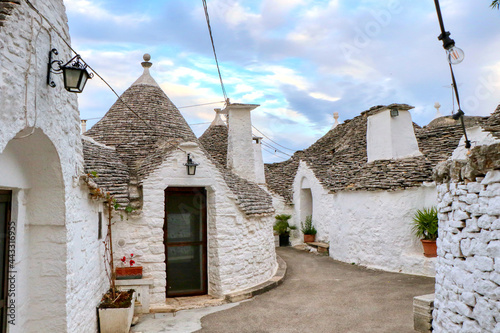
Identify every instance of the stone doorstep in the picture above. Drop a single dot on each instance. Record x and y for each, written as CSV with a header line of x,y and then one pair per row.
x,y
173,305
422,313
322,247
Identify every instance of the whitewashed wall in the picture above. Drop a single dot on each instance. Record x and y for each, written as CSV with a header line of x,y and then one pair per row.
x,y
369,228
59,275
240,250
468,268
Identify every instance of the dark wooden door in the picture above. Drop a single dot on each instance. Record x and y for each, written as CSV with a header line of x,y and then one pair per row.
x,y
5,200
185,232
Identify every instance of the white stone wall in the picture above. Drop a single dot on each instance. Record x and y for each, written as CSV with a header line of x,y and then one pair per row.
x,y
240,249
240,150
59,274
369,228
391,137
468,267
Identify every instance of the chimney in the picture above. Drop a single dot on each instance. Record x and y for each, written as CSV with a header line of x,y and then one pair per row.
x,y
260,176
240,150
84,125
390,134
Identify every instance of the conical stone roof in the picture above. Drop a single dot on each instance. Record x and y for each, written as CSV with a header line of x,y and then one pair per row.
x,y
156,122
214,139
143,138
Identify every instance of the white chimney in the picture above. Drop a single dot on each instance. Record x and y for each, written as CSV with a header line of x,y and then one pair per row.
x,y
84,125
390,134
260,175
240,149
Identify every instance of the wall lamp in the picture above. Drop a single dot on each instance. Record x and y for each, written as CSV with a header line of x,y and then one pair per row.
x,y
74,71
394,112
191,166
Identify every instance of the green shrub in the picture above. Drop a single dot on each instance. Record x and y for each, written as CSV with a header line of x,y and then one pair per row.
x,y
281,226
307,227
425,223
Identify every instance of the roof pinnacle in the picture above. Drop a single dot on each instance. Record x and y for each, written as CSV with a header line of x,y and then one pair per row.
x,y
146,63
146,78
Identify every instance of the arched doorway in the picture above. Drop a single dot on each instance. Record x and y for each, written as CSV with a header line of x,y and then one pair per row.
x,y
306,199
31,170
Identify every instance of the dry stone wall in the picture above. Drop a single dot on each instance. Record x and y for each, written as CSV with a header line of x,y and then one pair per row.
x,y
468,266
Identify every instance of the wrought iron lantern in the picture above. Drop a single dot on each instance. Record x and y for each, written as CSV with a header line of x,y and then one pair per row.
x,y
191,166
74,72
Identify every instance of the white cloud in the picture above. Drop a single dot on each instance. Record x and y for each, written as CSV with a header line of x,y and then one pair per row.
x,y
93,10
325,97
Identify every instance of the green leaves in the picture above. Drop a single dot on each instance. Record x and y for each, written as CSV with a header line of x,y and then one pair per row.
x,y
281,226
307,227
495,4
425,223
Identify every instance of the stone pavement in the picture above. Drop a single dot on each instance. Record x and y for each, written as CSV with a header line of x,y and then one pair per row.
x,y
319,295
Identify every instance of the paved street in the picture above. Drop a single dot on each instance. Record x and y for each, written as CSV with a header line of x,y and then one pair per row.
x,y
322,295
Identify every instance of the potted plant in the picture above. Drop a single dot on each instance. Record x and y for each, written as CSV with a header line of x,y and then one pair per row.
x,y
282,228
308,230
425,227
128,272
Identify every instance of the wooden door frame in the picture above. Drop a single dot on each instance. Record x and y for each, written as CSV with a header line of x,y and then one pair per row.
x,y
3,328
204,241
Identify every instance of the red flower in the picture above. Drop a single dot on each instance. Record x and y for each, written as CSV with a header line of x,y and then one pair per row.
x,y
132,263
124,259
131,255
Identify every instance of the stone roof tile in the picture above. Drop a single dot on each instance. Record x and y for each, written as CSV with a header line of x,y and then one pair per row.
x,y
339,158
142,144
112,173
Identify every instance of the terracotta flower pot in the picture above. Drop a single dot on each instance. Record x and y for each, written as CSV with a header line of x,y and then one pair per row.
x,y
309,238
430,248
125,273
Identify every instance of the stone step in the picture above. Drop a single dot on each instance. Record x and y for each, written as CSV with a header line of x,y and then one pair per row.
x,y
322,247
319,244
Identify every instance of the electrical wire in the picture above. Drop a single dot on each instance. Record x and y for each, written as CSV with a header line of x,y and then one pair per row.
x,y
192,106
275,149
205,7
270,152
97,74
272,139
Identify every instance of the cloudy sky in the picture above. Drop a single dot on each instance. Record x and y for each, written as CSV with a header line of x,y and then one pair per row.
x,y
301,60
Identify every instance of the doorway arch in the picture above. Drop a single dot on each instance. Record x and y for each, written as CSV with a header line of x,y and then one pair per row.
x,y
31,168
306,199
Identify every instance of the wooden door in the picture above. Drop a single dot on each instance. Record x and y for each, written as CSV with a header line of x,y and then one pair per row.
x,y
5,201
185,239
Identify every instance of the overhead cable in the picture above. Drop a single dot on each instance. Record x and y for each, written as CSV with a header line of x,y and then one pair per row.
x,y
205,7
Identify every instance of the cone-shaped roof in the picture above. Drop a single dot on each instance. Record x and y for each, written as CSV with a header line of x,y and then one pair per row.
x,y
154,121
214,139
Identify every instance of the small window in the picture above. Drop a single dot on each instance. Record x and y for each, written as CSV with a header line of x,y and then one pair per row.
x,y
99,230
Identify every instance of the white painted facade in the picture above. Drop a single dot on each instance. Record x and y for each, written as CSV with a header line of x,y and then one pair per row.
x,y
58,263
368,228
240,150
260,175
391,137
240,249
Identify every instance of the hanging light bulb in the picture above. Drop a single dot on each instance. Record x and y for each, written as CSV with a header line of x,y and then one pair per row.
x,y
455,55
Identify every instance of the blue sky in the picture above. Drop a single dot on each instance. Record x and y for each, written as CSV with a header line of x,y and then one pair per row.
x,y
301,60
